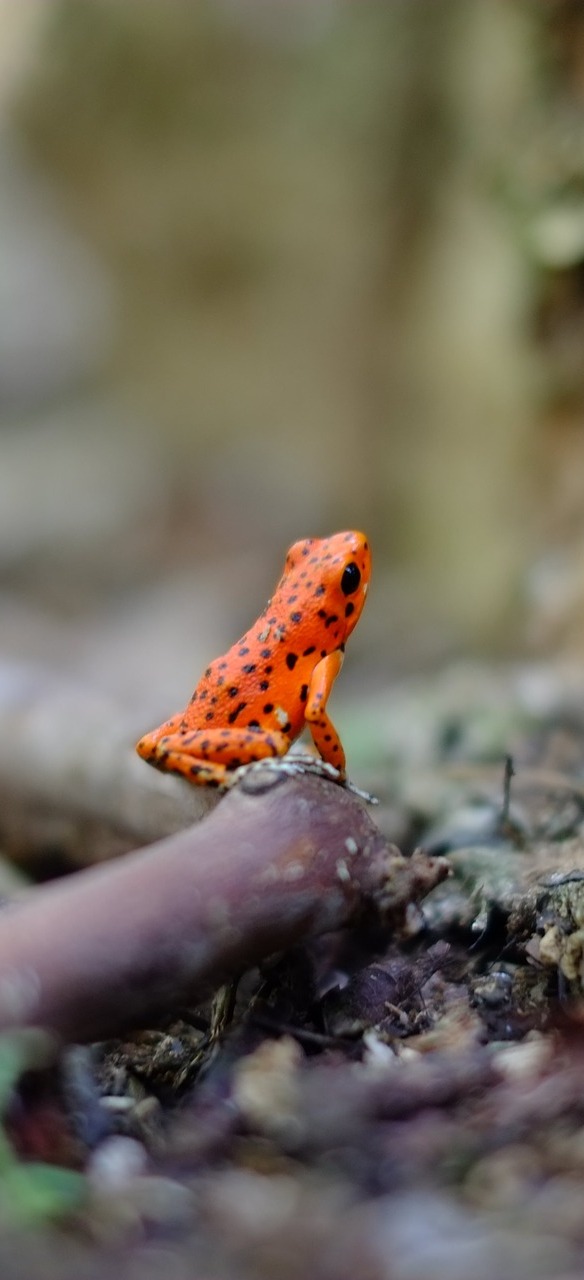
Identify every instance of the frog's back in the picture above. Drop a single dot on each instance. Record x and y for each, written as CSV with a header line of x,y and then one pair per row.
x,y
263,679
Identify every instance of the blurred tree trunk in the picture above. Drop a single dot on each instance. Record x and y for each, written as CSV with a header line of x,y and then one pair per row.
x,y
454,410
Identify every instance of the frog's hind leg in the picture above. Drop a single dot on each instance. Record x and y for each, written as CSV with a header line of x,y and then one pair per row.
x,y
210,756
147,747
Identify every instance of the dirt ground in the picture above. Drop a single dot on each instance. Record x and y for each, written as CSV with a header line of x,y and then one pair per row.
x,y
382,1101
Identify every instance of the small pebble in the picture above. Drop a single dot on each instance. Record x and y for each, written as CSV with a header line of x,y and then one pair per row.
x,y
115,1162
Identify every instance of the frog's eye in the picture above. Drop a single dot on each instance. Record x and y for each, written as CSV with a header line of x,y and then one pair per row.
x,y
350,579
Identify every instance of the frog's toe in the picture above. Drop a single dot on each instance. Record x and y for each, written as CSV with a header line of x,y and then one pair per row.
x,y
149,747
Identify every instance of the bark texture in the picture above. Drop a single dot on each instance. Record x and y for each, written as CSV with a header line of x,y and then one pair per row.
x,y
278,861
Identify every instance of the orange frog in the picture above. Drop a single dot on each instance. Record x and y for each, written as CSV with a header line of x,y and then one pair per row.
x,y
255,700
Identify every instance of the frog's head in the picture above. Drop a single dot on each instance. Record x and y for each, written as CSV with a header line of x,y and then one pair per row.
x,y
332,575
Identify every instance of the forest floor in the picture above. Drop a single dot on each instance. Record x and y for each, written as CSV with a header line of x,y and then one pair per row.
x,y
391,1103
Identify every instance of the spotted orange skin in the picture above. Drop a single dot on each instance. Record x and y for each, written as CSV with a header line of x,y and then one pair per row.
x,y
254,700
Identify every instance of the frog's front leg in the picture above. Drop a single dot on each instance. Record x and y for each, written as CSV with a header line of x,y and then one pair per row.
x,y
210,756
324,734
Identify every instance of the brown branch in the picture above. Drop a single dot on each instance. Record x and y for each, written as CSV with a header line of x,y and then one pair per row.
x,y
278,861
69,750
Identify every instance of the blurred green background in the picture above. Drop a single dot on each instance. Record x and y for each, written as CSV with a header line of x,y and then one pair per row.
x,y
268,270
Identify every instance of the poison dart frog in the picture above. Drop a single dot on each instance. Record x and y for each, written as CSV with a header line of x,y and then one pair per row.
x,y
253,702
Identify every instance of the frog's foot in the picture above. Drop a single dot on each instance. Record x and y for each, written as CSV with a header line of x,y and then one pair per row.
x,y
209,757
297,763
